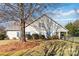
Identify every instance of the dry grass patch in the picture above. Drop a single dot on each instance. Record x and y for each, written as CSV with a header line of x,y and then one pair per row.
x,y
12,46
40,48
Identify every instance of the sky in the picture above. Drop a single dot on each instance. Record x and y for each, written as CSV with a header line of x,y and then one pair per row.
x,y
64,13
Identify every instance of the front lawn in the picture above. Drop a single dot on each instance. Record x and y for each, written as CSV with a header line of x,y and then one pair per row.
x,y
39,48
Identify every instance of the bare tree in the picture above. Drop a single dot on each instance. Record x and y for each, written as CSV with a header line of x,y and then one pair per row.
x,y
20,12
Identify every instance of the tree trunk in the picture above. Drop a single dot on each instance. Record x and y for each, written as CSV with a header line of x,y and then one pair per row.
x,y
23,38
21,14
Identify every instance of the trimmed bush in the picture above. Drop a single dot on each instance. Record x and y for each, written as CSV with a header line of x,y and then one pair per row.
x,y
2,35
6,38
49,38
35,36
41,36
55,37
14,38
28,36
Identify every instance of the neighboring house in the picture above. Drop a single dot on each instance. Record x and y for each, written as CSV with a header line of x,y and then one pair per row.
x,y
44,25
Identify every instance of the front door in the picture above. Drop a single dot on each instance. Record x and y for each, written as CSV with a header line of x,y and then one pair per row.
x,y
62,35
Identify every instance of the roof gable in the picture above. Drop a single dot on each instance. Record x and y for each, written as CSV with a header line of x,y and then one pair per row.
x,y
15,25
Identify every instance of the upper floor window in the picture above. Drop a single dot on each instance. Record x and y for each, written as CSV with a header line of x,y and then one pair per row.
x,y
41,25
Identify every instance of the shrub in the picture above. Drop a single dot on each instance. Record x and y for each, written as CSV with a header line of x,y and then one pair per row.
x,y
41,36
6,38
2,35
55,37
14,38
49,38
28,36
35,36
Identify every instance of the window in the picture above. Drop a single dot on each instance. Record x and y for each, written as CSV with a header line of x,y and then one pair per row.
x,y
18,34
41,25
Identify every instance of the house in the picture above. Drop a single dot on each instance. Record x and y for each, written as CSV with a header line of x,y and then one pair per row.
x,y
44,25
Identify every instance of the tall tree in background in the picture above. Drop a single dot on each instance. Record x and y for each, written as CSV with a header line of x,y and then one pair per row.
x,y
76,27
73,28
70,27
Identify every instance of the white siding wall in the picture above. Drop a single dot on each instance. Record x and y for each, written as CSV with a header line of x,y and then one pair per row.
x,y
31,30
12,34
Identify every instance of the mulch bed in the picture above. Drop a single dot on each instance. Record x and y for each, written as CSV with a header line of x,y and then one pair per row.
x,y
15,46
